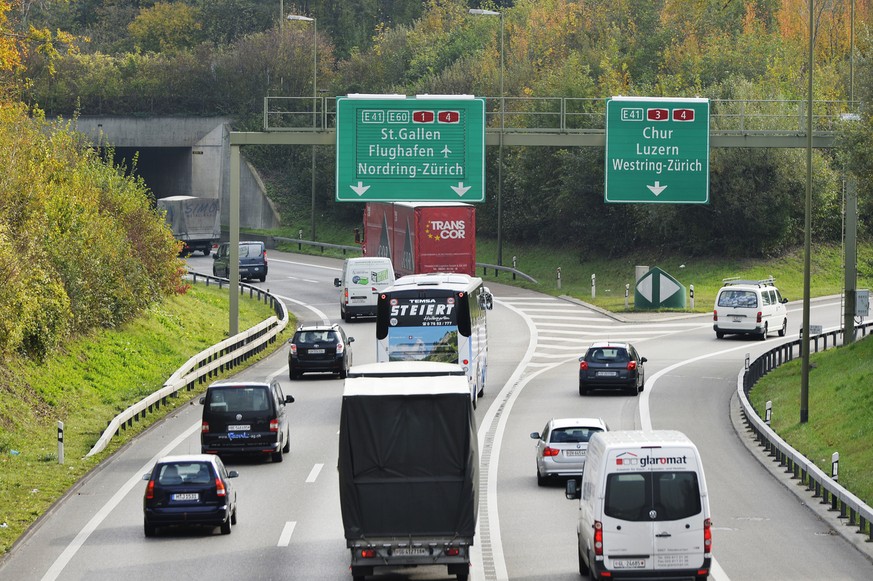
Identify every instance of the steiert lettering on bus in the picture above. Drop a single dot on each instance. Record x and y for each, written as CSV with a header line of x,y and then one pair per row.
x,y
407,310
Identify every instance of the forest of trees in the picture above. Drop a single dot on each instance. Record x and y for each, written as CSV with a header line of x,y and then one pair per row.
x,y
222,57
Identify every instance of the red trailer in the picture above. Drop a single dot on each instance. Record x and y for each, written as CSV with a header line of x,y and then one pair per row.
x,y
421,237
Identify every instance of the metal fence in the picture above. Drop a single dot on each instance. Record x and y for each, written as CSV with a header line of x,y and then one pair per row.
x,y
578,115
222,356
844,504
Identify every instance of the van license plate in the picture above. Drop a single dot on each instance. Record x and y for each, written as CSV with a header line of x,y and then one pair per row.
x,y
574,452
316,351
186,496
736,319
239,428
410,552
628,563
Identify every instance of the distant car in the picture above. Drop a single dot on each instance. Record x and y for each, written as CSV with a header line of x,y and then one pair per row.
x,y
610,365
749,307
252,260
194,489
319,348
562,448
245,417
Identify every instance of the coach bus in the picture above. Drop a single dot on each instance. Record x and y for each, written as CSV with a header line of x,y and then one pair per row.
x,y
436,317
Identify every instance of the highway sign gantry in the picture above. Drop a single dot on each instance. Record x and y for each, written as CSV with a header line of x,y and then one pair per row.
x,y
393,148
657,150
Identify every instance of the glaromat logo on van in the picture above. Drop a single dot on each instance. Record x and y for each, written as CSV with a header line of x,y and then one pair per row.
x,y
631,460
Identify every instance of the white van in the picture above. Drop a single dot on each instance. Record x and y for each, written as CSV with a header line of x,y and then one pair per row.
x,y
643,508
750,307
363,277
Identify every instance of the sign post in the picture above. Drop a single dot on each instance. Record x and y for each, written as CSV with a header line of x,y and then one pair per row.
x,y
657,150
393,148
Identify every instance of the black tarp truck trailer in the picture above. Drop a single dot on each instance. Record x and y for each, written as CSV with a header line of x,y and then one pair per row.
x,y
408,467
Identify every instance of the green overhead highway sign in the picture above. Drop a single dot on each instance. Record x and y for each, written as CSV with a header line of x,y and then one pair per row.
x,y
657,150
393,148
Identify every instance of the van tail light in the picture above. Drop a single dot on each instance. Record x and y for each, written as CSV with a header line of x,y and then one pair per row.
x,y
598,538
714,315
204,427
220,490
274,425
150,490
707,535
548,451
758,318
265,256
583,366
631,365
346,295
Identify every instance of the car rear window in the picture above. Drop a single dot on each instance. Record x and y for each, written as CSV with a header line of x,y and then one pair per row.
x,y
573,435
249,250
237,399
738,298
607,355
307,337
633,496
179,473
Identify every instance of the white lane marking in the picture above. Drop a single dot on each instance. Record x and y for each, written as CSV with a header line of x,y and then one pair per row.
x,y
325,319
313,474
287,530
66,556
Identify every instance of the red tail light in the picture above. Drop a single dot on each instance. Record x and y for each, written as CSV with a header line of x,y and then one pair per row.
x,y
758,318
547,451
339,348
204,427
598,538
346,295
150,490
274,425
453,552
707,536
293,349
631,365
219,488
715,315
583,366
368,553
265,257
465,362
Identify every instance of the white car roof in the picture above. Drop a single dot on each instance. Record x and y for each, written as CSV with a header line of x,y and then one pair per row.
x,y
578,422
188,458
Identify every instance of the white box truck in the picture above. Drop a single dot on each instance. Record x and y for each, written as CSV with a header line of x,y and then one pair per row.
x,y
408,467
194,221
643,507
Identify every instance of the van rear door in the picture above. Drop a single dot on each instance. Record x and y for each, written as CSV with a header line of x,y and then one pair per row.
x,y
678,520
627,529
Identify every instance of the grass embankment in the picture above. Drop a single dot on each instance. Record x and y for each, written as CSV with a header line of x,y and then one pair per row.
x,y
86,385
840,411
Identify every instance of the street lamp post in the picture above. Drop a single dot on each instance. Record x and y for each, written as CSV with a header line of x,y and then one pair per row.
x,y
314,103
482,12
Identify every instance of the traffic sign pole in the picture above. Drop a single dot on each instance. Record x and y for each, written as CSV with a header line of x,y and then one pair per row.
x,y
396,148
657,150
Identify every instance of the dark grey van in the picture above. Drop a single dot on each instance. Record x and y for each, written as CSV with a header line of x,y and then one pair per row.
x,y
252,260
245,418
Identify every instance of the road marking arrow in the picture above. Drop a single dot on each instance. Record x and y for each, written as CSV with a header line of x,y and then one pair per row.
x,y
461,189
656,189
360,188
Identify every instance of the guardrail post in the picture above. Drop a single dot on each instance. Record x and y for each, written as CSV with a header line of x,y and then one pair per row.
x,y
835,466
627,293
514,266
558,275
593,286
769,412
60,442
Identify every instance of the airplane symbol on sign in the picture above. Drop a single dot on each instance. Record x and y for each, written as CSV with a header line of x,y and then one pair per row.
x,y
446,151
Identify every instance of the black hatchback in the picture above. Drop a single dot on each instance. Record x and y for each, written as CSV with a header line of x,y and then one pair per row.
x,y
323,348
610,364
194,489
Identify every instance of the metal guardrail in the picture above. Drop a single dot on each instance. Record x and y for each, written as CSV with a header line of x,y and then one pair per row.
x,y
581,115
821,485
357,249
222,356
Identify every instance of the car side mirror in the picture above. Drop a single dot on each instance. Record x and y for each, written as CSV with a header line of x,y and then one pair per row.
x,y
572,492
350,339
289,399
337,282
232,473
202,400
535,435
215,256
147,476
784,300
643,359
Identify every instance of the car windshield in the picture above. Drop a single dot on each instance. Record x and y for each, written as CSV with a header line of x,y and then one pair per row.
x,y
237,399
738,298
573,435
607,355
179,473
